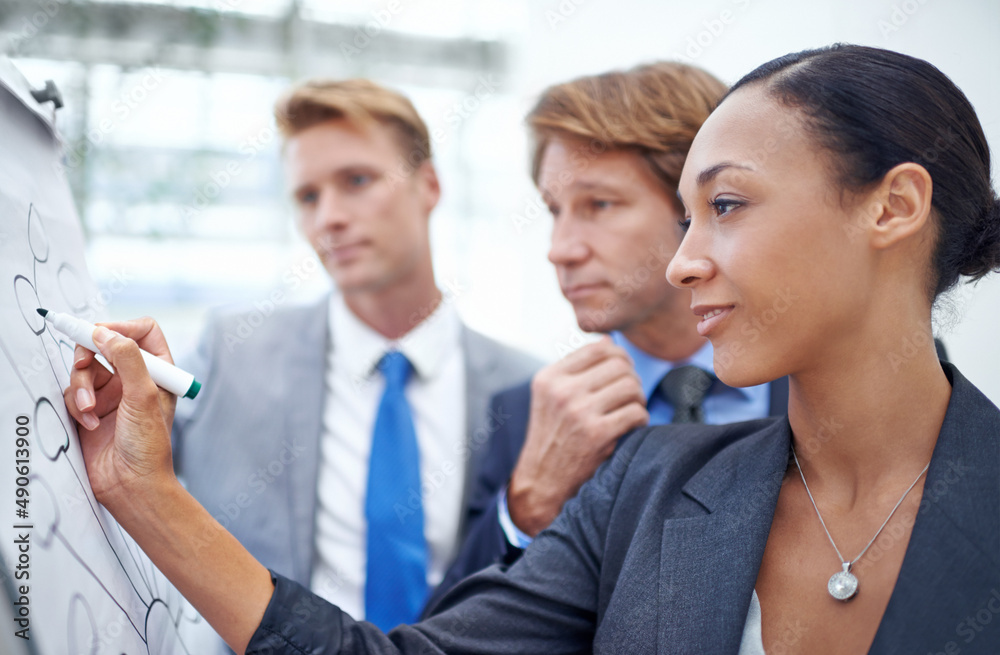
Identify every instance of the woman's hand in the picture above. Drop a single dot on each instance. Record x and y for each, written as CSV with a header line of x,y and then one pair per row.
x,y
124,418
124,422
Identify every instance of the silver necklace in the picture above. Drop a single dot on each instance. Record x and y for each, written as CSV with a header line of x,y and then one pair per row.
x,y
843,585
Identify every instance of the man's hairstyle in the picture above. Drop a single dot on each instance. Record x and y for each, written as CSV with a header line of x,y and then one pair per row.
x,y
360,101
654,110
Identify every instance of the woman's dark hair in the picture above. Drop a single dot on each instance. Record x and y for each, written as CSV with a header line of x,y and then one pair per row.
x,y
874,109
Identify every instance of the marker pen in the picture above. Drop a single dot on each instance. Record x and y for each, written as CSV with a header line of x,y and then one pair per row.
x,y
165,375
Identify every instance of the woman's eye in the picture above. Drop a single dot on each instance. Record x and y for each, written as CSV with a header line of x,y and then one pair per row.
x,y
308,198
685,223
359,179
601,204
723,206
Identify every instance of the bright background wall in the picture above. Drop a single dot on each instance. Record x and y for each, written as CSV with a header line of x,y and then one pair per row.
x,y
155,120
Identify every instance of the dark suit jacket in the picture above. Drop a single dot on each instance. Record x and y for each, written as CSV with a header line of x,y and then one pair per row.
x,y
659,552
485,543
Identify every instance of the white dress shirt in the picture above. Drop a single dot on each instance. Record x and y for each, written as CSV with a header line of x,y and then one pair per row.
x,y
752,642
436,394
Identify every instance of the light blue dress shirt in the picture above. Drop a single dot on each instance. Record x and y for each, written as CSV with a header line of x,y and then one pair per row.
x,y
722,404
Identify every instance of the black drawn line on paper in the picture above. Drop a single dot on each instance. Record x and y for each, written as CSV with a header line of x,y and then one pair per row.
x,y
72,647
17,298
56,534
148,583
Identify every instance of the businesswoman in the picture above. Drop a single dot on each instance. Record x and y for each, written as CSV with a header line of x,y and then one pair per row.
x,y
832,196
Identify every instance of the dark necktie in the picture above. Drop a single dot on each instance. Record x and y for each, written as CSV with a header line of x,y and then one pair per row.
x,y
685,387
396,575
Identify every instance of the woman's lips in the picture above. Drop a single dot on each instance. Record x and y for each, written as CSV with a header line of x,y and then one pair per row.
x,y
711,316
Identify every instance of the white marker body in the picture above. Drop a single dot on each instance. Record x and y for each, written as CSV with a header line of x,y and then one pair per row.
x,y
165,375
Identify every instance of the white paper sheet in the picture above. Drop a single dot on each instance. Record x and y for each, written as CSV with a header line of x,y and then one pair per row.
x,y
91,589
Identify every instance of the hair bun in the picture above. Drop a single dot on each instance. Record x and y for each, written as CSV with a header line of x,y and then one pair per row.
x,y
984,252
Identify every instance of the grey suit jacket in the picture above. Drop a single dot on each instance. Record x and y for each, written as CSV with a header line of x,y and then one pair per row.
x,y
659,553
248,447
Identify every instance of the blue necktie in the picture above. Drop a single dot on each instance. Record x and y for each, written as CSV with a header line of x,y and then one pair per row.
x,y
396,578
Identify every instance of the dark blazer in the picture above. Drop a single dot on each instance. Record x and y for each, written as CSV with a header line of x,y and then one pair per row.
x,y
485,543
659,552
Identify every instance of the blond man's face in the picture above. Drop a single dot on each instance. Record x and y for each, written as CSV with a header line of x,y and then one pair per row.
x,y
364,212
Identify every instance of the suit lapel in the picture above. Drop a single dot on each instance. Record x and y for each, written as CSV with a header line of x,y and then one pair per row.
x,y
709,563
951,570
305,390
480,363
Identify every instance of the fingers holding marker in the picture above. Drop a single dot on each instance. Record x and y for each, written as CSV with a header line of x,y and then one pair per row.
x,y
146,333
79,395
94,392
152,348
80,404
126,357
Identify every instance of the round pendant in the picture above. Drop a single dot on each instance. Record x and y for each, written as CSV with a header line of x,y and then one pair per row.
x,y
842,585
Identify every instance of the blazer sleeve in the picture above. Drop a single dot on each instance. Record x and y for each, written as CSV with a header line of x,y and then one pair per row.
x,y
485,543
544,603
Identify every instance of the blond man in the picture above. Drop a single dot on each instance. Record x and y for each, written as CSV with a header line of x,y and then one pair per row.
x,y
608,154
336,440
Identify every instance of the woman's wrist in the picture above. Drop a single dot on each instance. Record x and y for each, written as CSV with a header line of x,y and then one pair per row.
x,y
143,499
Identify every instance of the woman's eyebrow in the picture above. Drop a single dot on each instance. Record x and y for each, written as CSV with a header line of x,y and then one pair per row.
x,y
712,172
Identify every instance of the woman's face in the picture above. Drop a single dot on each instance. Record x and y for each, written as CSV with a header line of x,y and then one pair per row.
x,y
774,266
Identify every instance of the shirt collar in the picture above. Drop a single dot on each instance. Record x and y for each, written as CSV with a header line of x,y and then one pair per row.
x,y
358,348
651,369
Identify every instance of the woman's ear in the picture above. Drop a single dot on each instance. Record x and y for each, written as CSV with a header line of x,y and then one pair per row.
x,y
904,204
